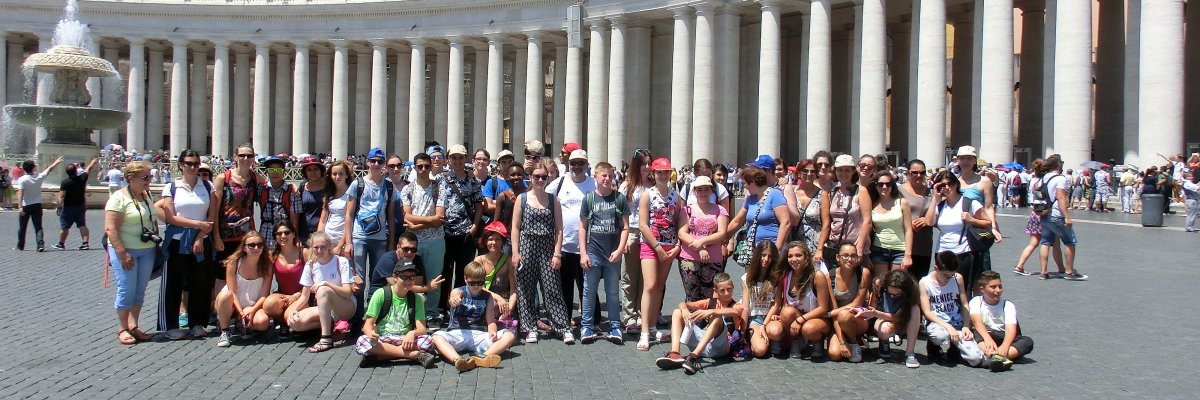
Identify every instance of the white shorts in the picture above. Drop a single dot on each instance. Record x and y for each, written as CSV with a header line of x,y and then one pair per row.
x,y
472,341
718,347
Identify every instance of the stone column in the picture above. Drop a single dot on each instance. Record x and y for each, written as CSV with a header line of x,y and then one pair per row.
x,y
455,123
300,102
241,99
4,73
479,84
560,93
618,145
416,98
110,87
535,88
1192,80
1160,89
154,100
341,100
261,127
323,132
638,102
516,130
960,98
869,68
179,99
1073,80
818,127
597,105
198,130
379,95
1110,76
440,95
220,101
135,132
681,87
361,95
402,72
899,133
770,81
283,133
704,89
1033,29
494,137
728,49
927,83
573,107
1132,112
992,80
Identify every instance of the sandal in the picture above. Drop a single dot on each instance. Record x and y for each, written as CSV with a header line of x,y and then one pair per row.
x,y
644,342
325,343
1021,272
126,338
139,334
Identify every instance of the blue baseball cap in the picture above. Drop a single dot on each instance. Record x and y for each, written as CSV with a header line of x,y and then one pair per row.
x,y
376,153
763,161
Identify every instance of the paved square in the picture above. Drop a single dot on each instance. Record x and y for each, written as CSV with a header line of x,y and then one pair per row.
x,y
1129,332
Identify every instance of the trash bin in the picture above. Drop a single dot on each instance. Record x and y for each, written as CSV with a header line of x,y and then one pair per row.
x,y
1152,209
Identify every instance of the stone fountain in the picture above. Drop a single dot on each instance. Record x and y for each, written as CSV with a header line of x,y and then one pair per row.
x,y
68,120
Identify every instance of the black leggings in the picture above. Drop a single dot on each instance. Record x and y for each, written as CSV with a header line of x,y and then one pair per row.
x,y
184,272
34,212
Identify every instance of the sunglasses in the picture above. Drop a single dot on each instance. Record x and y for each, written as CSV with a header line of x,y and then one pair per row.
x,y
255,245
437,157
847,256
481,159
374,161
274,170
422,167
884,185
532,157
578,163
823,165
145,178
866,166
283,233
916,173
406,277
190,164
394,166
408,249
808,171
474,283
245,156
539,177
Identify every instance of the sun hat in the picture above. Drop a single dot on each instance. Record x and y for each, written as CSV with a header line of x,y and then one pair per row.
x,y
966,151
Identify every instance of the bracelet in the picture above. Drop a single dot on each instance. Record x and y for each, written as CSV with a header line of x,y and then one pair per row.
x,y
557,256
657,245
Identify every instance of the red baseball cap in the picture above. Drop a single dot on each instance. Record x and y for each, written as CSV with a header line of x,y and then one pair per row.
x,y
497,227
570,147
661,164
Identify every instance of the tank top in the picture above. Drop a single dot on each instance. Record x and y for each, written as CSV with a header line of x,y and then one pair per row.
x,y
335,226
237,203
944,299
536,221
248,290
973,191
287,277
500,284
634,203
917,205
806,304
845,218
663,212
844,297
760,296
889,227
810,222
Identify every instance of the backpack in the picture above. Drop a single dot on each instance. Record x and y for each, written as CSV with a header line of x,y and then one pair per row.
x,y
1016,180
264,197
370,224
410,298
978,239
1044,202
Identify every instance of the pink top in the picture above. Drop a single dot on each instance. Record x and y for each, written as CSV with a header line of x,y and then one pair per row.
x,y
287,277
701,225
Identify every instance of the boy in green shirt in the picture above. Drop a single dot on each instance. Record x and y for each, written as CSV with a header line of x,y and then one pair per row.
x,y
395,323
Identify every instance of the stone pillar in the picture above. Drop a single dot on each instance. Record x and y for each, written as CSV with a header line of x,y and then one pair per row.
x,y
869,88
282,116
4,72
960,97
681,87
340,147
560,93
1029,122
379,95
1073,81
1192,80
403,73
770,82
135,132
1161,96
416,98
441,83
362,103
704,88
261,127
618,145
597,105
300,102
198,130
818,127
927,83
728,49
1110,86
220,101
479,83
900,105
992,80
516,127
154,100
638,102
535,88
323,132
573,107
455,123
494,137
179,99
241,99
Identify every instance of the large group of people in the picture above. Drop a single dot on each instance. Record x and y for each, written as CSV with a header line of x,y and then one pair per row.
x,y
444,255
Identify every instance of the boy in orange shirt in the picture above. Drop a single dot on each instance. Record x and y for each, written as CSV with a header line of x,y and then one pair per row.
x,y
705,326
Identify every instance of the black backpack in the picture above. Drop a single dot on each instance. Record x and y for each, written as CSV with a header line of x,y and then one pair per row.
x,y
411,298
1043,196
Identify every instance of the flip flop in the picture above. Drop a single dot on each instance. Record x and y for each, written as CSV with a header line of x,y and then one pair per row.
x,y
139,334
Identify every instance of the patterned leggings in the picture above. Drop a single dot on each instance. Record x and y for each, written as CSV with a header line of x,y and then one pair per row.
x,y
698,278
535,269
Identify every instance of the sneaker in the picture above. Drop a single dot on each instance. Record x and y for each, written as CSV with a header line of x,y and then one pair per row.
x,y
198,332
885,350
487,361
283,332
797,346
1020,272
614,336
368,361
658,336
691,365
84,246
818,350
568,338
1074,276
183,319
775,348
587,336
224,341
910,360
176,334
464,364
531,337
855,353
59,246
426,359
41,249
670,361
1000,363
1044,276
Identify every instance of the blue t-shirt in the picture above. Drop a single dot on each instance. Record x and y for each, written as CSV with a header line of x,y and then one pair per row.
x,y
500,186
472,313
768,225
372,196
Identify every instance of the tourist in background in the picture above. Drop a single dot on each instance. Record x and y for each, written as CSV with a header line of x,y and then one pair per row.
x,y
128,216
29,191
72,203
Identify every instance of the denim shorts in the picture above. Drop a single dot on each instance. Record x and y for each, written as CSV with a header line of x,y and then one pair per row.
x,y
1055,228
758,319
881,255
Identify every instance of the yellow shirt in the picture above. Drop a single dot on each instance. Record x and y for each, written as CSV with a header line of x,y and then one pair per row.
x,y
134,215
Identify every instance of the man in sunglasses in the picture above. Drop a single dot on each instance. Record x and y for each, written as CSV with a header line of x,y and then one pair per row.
x,y
277,201
570,190
424,214
534,150
400,260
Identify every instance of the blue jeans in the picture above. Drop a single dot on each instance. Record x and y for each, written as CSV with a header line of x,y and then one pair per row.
x,y
367,252
1056,228
432,253
131,284
611,273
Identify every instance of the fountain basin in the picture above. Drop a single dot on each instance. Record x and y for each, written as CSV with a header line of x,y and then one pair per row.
x,y
67,124
70,58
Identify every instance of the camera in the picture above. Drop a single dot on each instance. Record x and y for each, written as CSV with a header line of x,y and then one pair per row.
x,y
150,236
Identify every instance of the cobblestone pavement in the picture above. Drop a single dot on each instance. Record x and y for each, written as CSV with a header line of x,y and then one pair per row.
x,y
1090,336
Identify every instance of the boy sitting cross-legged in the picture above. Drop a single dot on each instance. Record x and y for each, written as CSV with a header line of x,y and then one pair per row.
x,y
395,323
704,325
474,311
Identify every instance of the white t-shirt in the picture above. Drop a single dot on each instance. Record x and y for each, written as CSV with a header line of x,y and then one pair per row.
x,y
994,316
191,203
570,199
115,179
1052,186
336,271
950,223
943,299
31,188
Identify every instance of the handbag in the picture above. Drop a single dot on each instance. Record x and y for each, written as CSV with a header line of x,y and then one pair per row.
x,y
829,252
745,248
978,239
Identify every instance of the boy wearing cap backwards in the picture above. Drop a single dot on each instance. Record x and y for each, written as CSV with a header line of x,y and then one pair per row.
x,y
277,200
468,319
395,322
603,230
